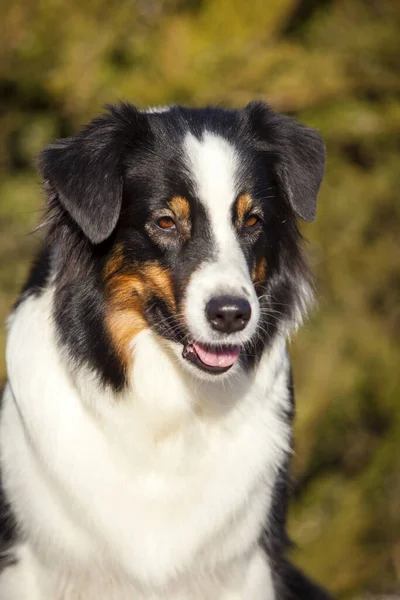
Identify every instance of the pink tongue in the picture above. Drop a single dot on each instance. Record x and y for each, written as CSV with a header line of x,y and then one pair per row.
x,y
217,357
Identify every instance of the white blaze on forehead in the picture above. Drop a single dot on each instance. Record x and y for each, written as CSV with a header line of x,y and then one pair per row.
x,y
213,163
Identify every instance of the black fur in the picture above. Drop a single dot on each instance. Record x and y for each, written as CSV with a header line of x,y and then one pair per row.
x,y
8,533
38,274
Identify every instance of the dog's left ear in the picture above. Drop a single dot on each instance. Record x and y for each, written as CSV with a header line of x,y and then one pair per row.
x,y
298,154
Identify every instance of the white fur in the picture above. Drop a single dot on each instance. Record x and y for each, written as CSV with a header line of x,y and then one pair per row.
x,y
213,163
159,493
157,109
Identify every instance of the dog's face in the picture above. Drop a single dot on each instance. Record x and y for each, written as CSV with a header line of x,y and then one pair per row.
x,y
186,224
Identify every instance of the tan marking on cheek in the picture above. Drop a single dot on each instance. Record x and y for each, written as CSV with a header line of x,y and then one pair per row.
x,y
181,208
243,205
124,318
160,283
124,289
124,326
127,295
259,271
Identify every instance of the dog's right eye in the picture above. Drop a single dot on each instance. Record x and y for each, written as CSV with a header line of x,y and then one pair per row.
x,y
166,223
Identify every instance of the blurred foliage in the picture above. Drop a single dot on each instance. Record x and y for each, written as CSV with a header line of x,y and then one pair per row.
x,y
333,64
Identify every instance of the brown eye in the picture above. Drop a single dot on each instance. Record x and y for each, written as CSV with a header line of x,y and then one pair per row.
x,y
251,221
166,223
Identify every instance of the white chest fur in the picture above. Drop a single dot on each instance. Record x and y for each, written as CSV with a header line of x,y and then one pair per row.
x,y
159,493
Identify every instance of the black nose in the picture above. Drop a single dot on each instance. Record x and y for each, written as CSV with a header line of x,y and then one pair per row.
x,y
228,314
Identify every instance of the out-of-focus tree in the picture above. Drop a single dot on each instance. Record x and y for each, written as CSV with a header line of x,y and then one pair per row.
x,y
333,64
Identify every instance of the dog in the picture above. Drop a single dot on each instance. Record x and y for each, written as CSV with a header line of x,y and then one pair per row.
x,y
146,423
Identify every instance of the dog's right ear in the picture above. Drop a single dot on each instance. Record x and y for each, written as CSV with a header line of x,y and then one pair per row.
x,y
85,171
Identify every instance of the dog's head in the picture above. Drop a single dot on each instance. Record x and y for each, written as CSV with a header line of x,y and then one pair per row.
x,y
185,220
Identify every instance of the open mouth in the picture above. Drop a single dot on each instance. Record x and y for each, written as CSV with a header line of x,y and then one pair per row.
x,y
211,359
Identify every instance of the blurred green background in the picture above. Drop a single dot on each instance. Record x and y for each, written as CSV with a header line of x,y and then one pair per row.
x,y
333,64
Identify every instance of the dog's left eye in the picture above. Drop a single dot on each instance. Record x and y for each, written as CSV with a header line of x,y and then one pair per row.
x,y
251,221
166,223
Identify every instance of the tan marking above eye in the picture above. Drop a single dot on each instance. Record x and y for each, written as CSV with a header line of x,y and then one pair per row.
x,y
244,204
180,206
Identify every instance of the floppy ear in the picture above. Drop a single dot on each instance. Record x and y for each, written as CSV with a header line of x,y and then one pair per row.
x,y
85,173
298,153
